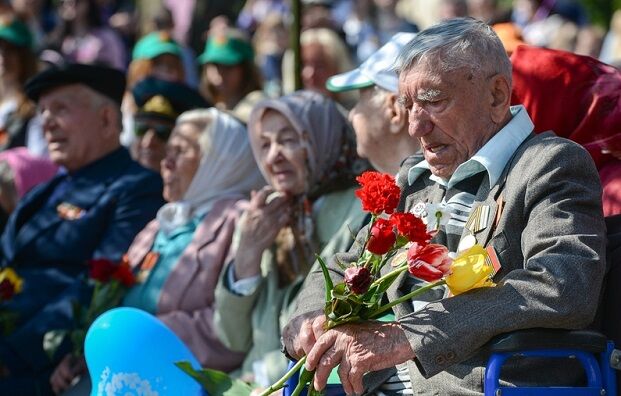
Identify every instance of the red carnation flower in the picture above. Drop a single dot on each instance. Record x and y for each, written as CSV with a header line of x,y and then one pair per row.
x,y
358,279
7,290
101,269
428,262
378,193
411,227
124,274
382,237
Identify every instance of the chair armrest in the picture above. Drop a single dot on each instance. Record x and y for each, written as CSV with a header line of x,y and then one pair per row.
x,y
530,339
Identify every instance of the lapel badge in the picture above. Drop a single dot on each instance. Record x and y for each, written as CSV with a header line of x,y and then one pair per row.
x,y
67,211
478,219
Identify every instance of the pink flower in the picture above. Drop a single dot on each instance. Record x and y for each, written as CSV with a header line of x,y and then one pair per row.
x,y
428,262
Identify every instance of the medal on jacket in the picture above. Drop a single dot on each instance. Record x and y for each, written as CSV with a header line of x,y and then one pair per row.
x,y
147,265
67,211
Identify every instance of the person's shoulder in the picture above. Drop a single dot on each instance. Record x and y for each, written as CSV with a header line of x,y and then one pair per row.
x,y
135,175
547,146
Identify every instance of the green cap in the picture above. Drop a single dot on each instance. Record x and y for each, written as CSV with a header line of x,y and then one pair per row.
x,y
155,44
226,50
15,32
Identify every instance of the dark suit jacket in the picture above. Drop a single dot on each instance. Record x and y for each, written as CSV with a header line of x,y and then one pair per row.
x,y
112,199
550,239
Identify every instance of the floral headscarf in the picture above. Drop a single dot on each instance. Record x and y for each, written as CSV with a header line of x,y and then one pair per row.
x,y
325,134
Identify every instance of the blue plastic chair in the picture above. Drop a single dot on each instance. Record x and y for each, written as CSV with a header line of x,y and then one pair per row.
x,y
129,351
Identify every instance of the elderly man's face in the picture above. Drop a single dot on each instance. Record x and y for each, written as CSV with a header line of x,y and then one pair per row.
x,y
371,122
449,113
72,126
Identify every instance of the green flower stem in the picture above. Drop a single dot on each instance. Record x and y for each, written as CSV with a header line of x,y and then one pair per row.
x,y
407,297
399,269
281,382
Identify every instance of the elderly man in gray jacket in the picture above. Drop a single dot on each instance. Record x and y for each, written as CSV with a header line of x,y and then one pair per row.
x,y
534,199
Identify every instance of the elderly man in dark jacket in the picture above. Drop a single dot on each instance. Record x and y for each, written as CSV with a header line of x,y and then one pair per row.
x,y
93,208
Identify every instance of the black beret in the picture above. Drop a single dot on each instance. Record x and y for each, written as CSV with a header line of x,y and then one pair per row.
x,y
107,81
165,99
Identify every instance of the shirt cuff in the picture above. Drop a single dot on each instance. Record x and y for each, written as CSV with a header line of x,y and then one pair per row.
x,y
242,287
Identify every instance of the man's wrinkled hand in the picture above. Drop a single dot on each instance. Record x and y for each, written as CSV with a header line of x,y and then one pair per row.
x,y
300,334
358,349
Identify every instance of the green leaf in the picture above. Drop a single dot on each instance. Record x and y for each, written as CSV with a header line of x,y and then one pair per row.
x,y
215,382
339,292
326,277
52,340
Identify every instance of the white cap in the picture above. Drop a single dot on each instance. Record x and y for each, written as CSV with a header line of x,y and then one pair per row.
x,y
377,70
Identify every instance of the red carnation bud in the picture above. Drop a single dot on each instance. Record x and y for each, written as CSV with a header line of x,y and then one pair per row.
x,y
428,262
124,274
101,269
7,290
358,279
382,237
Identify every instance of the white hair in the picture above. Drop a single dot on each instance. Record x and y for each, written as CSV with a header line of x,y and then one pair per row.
x,y
455,44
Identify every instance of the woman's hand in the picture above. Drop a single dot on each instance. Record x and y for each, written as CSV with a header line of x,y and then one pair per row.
x,y
66,372
259,226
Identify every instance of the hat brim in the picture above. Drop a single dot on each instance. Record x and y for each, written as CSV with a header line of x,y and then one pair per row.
x,y
348,81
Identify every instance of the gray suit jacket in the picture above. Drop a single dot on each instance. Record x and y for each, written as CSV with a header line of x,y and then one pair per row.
x,y
550,239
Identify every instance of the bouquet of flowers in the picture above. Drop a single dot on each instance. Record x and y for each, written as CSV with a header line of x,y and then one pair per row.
x,y
401,239
10,285
110,282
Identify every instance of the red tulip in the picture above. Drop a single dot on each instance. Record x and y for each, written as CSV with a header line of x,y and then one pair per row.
x,y
382,237
101,269
428,262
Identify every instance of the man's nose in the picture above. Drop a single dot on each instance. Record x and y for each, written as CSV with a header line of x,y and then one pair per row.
x,y
420,122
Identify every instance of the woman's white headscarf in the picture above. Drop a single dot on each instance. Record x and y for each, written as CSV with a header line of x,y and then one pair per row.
x,y
227,168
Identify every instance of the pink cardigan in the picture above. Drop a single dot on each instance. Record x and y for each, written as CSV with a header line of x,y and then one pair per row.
x,y
187,299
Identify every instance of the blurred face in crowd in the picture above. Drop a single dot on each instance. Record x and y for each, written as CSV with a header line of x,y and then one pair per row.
x,y
150,144
183,157
9,61
227,80
77,125
70,10
167,67
449,113
317,67
370,121
281,153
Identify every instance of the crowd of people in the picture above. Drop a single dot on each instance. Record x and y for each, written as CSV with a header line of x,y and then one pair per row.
x,y
169,136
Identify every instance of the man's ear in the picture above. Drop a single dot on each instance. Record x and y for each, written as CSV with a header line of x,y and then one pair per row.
x,y
109,122
500,90
397,113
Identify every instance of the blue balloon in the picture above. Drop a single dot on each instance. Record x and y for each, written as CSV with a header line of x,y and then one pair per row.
x,y
131,352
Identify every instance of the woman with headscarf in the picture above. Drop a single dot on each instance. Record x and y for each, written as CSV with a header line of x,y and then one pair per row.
x,y
208,173
304,147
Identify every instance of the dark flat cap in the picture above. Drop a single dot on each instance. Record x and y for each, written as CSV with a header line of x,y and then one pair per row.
x,y
165,99
107,81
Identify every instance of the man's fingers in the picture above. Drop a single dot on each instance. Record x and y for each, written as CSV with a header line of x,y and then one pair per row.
x,y
322,345
355,378
307,338
344,376
318,323
330,359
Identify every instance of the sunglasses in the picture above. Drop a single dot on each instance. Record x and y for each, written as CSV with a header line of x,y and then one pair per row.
x,y
161,131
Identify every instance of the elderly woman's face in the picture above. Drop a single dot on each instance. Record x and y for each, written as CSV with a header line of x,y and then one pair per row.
x,y
282,154
183,157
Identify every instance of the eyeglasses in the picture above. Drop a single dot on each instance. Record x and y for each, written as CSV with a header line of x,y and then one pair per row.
x,y
161,131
